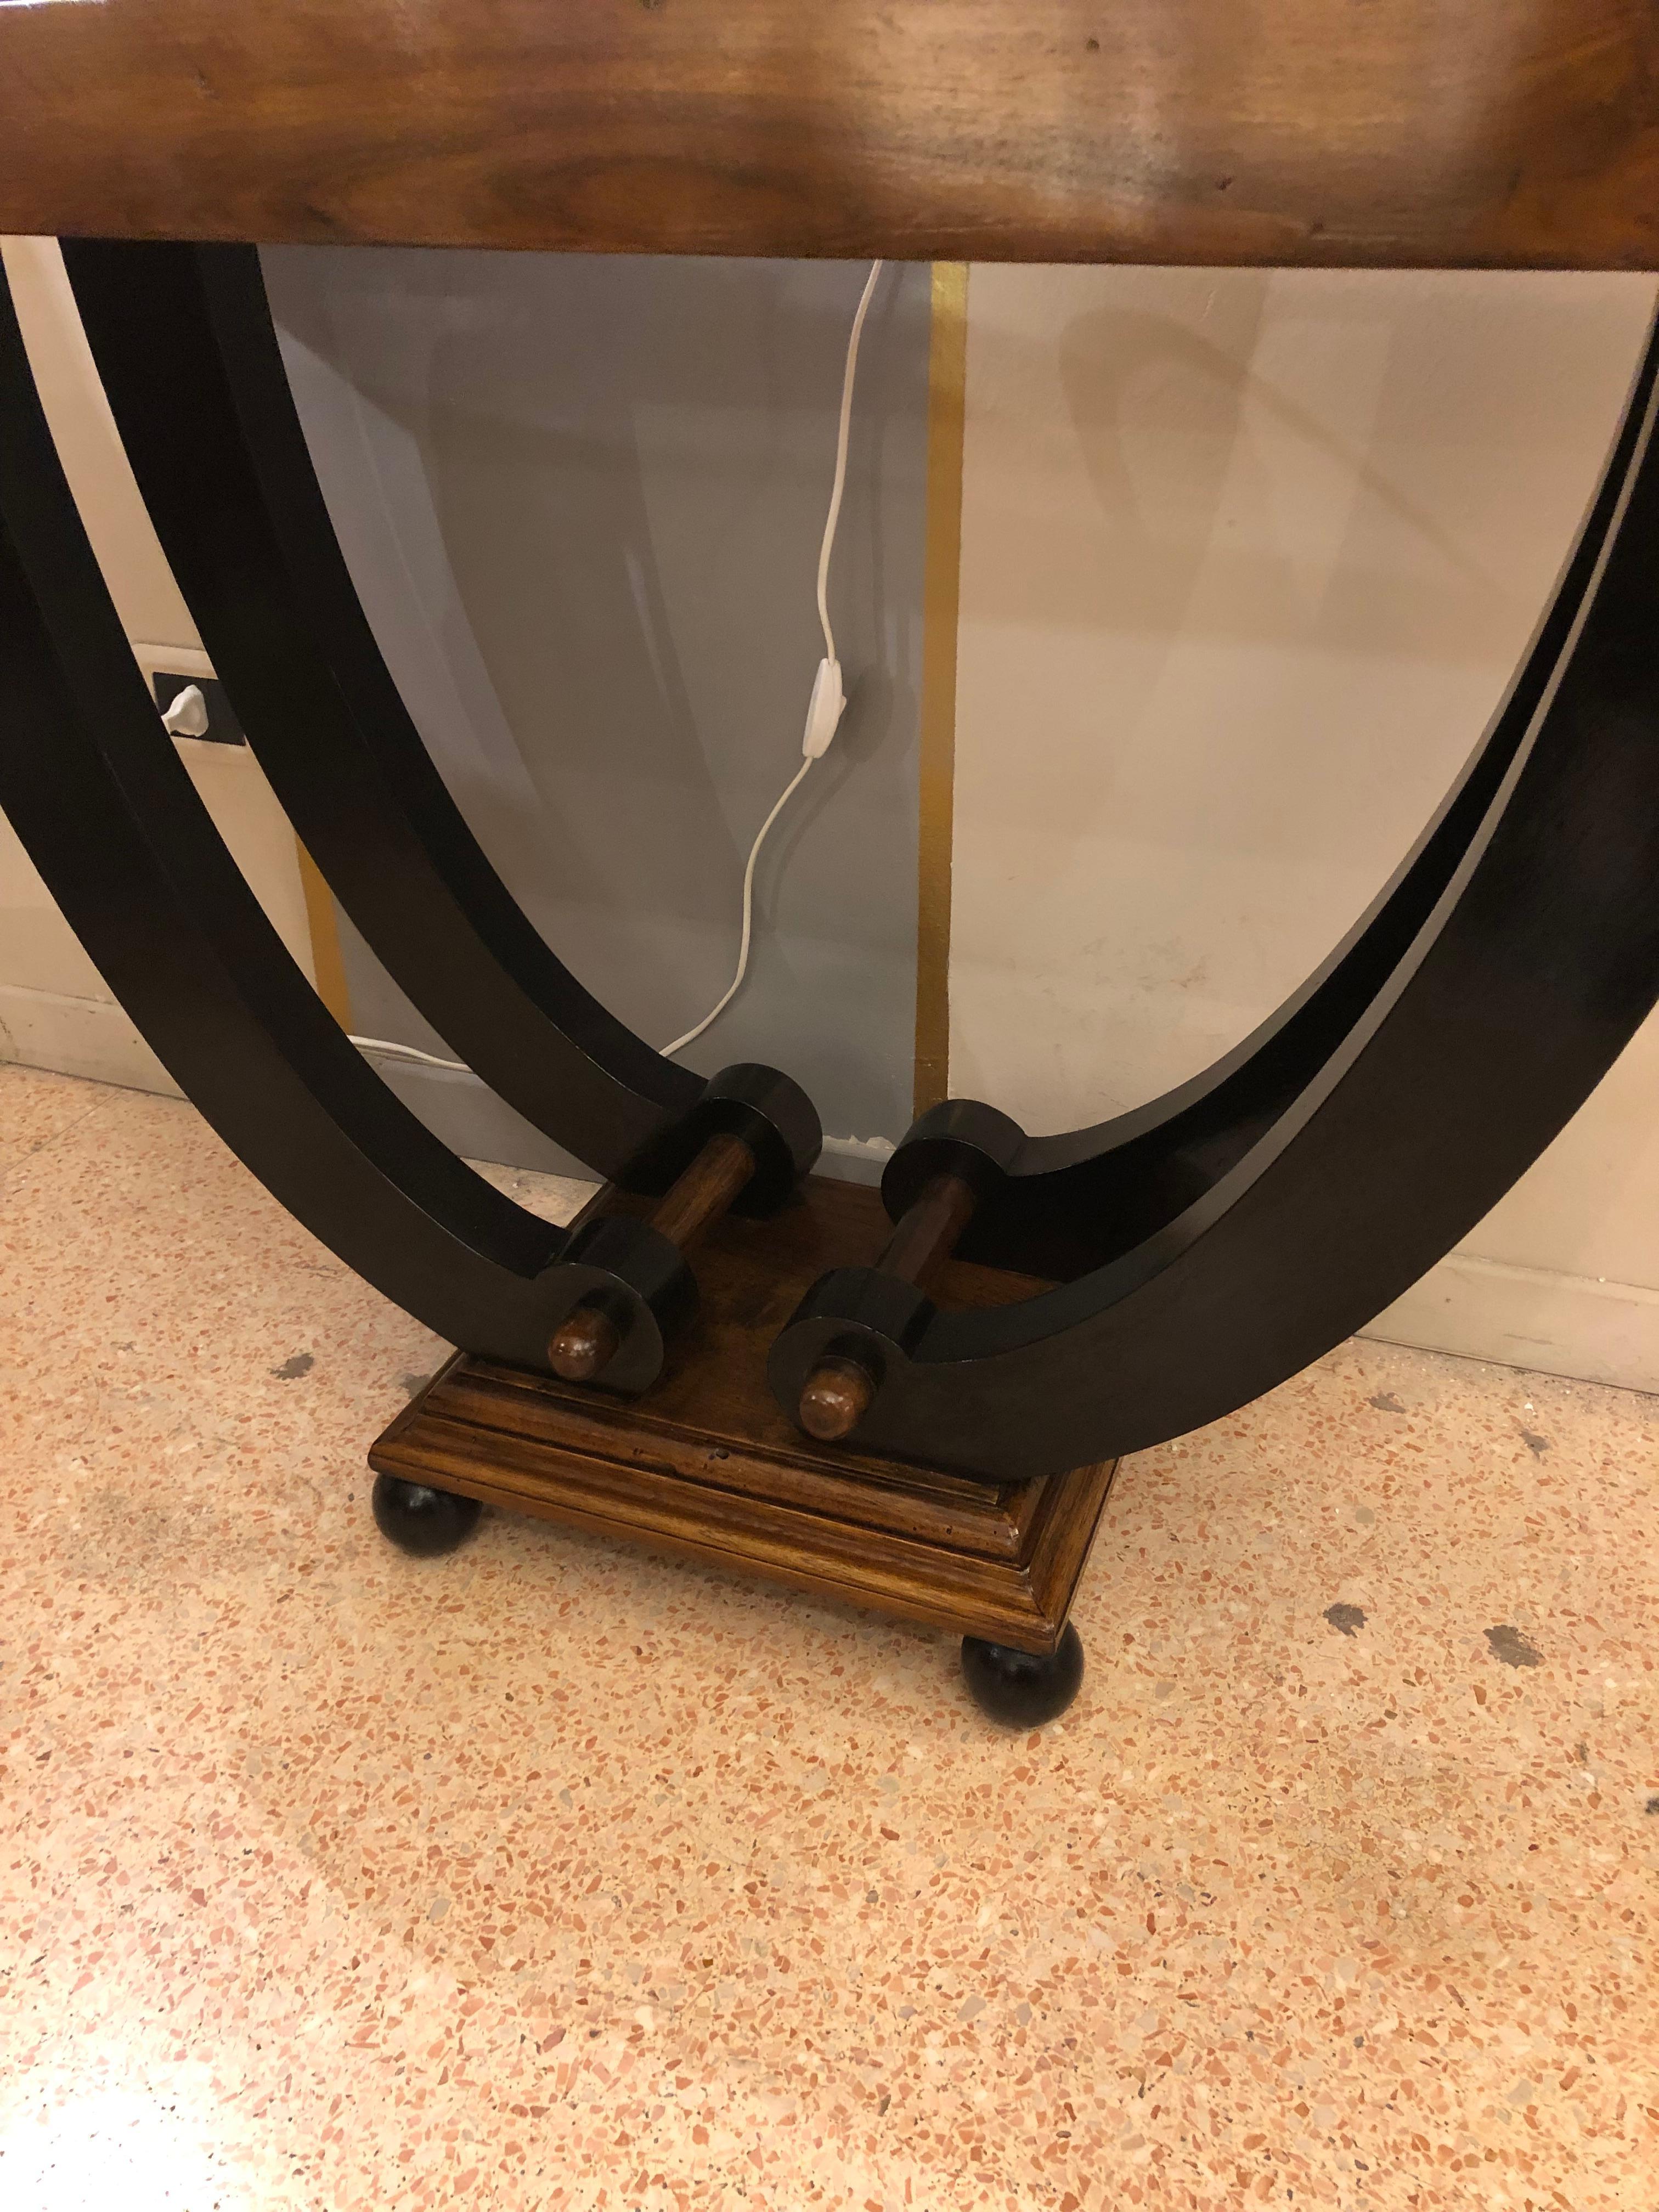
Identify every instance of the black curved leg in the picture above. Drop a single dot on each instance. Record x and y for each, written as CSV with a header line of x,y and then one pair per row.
x,y
420,1519
1017,1688
1060,1206
183,339
1493,1022
94,789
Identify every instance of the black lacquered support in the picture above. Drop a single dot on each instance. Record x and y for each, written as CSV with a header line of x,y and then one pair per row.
x,y
94,787
183,339
1377,1121
1061,1205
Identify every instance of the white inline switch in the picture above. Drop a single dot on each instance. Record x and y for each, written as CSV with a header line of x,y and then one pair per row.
x,y
824,710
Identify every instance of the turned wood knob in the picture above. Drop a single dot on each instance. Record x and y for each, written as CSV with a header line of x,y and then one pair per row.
x,y
834,1398
582,1343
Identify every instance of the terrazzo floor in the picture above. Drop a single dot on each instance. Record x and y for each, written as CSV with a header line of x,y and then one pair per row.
x,y
547,1875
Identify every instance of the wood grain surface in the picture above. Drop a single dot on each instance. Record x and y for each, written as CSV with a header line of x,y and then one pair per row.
x,y
1450,132
706,1465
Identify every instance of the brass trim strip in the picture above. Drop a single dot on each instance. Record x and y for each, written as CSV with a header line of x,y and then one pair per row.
x,y
947,378
327,963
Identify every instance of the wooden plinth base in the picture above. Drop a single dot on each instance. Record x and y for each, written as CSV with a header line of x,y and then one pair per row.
x,y
707,1465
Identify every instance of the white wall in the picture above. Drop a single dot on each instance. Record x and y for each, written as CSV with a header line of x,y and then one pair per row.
x,y
1248,558
55,1008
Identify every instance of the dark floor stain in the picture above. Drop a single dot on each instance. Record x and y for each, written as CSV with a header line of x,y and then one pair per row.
x,y
291,1369
1345,1619
416,1382
1386,1402
1653,1805
1509,1645
1536,1445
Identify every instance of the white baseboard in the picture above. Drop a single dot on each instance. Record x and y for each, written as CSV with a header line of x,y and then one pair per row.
x,y
78,1036
1570,1325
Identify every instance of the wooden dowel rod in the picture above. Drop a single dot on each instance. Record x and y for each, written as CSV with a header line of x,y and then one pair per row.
x,y
695,1202
838,1393
926,1233
585,1341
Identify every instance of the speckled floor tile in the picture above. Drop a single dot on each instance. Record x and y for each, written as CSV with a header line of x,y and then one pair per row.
x,y
551,1876
35,1108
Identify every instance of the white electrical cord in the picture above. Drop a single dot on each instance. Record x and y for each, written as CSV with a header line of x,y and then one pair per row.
x,y
824,714
829,700
841,432
732,988
409,1052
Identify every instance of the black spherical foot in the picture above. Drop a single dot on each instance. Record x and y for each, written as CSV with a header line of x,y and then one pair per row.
x,y
420,1519
1017,1688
